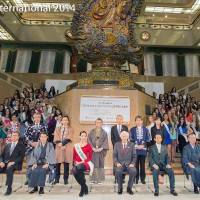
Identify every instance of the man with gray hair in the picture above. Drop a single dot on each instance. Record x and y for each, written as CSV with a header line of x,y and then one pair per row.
x,y
124,157
117,129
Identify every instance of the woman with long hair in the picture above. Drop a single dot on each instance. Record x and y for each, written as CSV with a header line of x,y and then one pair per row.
x,y
82,156
173,135
182,134
167,133
63,136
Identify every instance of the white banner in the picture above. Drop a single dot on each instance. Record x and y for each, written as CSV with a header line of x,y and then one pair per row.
x,y
107,108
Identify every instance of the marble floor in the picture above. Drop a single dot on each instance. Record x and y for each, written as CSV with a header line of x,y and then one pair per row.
x,y
99,192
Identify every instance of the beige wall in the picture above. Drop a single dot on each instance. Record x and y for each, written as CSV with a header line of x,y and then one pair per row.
x,y
70,104
6,90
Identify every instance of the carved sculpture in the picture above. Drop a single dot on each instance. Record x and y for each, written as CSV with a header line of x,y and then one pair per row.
x,y
103,31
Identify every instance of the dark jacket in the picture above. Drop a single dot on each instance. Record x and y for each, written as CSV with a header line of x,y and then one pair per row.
x,y
125,156
190,155
154,132
115,135
17,155
161,159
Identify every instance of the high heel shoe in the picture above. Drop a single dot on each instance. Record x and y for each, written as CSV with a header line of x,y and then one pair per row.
x,y
86,190
82,192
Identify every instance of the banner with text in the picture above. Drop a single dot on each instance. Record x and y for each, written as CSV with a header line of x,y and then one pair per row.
x,y
107,108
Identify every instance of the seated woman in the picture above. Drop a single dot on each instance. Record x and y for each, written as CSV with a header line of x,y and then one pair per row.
x,y
42,160
82,156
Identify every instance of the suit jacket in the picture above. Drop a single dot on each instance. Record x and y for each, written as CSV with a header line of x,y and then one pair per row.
x,y
158,159
115,135
125,156
190,155
17,155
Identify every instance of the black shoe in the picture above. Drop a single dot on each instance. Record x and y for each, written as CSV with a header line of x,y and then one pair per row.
x,y
174,193
129,191
86,190
35,189
66,182
156,194
196,190
8,192
26,182
41,191
82,192
55,182
120,191
143,182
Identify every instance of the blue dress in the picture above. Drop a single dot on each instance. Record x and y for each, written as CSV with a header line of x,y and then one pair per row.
x,y
167,138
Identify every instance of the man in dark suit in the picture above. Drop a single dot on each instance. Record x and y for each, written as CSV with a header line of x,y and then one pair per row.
x,y
159,161
124,157
117,129
115,134
191,161
11,159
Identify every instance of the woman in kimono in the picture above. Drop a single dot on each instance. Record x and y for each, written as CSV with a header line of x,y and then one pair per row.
x,y
42,160
82,156
99,141
64,150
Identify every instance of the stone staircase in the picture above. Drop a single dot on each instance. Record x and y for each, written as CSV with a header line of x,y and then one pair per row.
x,y
11,80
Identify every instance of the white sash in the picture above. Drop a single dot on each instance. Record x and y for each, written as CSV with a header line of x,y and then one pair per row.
x,y
83,157
183,134
167,128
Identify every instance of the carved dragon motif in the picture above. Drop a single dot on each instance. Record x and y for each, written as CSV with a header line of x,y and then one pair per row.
x,y
103,31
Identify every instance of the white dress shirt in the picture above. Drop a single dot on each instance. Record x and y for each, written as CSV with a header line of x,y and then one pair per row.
x,y
158,147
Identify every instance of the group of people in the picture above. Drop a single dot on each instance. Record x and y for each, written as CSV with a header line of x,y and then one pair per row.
x,y
34,128
130,150
174,117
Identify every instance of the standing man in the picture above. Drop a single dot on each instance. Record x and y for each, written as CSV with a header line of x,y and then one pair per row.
x,y
99,141
124,157
117,129
140,136
11,159
33,132
159,161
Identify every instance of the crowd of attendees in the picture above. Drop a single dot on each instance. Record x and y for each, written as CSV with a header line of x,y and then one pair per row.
x,y
176,116
16,112
33,114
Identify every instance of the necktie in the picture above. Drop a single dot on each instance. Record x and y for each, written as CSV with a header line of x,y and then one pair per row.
x,y
12,148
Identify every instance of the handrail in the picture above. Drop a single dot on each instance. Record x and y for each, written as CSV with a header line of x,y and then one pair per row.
x,y
189,88
11,80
